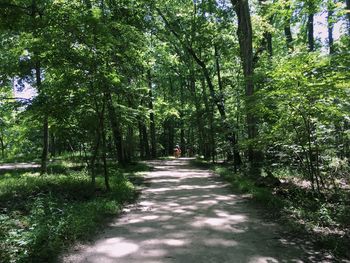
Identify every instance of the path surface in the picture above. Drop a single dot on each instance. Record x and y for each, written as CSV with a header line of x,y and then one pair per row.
x,y
17,166
188,215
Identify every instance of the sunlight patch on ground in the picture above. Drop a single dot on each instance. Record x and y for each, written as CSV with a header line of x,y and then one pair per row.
x,y
259,259
222,224
154,217
168,242
115,247
185,187
144,230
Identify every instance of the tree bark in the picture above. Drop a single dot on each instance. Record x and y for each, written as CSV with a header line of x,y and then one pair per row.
x,y
104,153
287,29
151,116
2,145
310,27
347,2
197,104
94,157
117,137
330,30
245,38
45,150
289,36
44,156
141,139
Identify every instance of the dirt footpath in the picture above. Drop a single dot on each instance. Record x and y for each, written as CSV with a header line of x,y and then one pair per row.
x,y
188,215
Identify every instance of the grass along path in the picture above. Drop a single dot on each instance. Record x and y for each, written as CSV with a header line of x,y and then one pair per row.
x,y
41,215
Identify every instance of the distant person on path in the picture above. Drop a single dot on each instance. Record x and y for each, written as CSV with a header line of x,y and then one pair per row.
x,y
177,151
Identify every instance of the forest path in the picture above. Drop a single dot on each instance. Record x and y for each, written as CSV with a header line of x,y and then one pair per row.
x,y
189,215
4,167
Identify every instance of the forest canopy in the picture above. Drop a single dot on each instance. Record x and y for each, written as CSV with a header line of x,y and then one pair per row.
x,y
249,82
260,85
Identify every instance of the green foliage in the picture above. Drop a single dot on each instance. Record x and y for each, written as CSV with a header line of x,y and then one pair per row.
x,y
305,112
42,214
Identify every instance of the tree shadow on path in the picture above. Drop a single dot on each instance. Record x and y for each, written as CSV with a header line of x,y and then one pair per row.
x,y
188,215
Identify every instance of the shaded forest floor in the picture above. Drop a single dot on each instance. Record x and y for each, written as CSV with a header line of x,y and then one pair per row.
x,y
41,215
188,214
324,219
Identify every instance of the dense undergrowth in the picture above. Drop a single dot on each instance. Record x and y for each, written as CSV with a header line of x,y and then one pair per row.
x,y
40,215
324,217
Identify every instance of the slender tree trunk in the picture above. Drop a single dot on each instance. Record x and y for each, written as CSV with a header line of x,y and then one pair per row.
x,y
117,137
94,158
2,145
289,37
104,153
347,2
53,145
287,30
330,34
218,71
199,119
330,27
152,119
310,27
182,122
141,139
268,38
145,141
208,153
130,144
45,150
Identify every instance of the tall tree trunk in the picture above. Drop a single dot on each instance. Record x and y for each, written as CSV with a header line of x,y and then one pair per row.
x,y
268,38
2,145
53,145
245,37
152,119
129,149
289,36
208,153
104,151
287,29
145,141
141,143
330,27
94,157
117,137
218,71
45,150
310,27
199,119
347,2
